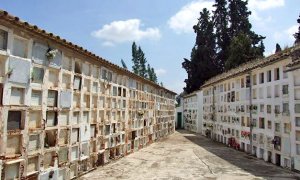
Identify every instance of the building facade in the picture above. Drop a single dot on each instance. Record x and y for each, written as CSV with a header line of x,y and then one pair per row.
x,y
193,111
65,111
256,108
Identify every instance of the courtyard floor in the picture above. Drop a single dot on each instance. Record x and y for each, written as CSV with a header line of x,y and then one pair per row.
x,y
185,155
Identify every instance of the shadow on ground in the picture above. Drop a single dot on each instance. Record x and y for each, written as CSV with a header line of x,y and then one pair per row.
x,y
240,159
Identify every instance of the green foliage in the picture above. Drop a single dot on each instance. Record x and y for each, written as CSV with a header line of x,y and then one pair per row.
x,y
139,64
222,43
297,35
220,19
278,48
240,32
123,64
202,65
135,60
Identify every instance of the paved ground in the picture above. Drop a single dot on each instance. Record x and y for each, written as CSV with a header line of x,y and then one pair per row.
x,y
185,155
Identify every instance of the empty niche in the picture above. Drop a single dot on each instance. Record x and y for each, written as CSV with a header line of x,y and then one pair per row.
x,y
36,98
53,78
13,146
15,120
34,142
51,118
66,81
49,159
63,155
77,83
64,118
75,135
76,118
35,119
107,130
63,137
77,67
52,98
32,165
17,96
74,153
12,171
50,138
37,75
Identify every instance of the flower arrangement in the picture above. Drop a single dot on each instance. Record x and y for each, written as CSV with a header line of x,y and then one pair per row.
x,y
245,134
51,53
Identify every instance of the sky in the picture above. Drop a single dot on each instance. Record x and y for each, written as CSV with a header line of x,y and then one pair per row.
x,y
163,28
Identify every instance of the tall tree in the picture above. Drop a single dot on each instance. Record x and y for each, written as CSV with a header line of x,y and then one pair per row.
x,y
239,48
149,73
240,30
297,35
154,76
123,64
135,59
278,48
142,63
221,18
202,65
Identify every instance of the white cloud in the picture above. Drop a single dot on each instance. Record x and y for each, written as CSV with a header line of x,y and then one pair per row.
x,y
265,4
124,31
291,31
184,20
160,72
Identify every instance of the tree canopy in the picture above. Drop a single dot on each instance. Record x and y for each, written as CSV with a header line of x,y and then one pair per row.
x,y
140,66
222,42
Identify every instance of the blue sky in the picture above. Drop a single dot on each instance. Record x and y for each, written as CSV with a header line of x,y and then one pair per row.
x,y
162,28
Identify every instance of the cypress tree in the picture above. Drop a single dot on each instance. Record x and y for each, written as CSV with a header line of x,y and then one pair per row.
x,y
142,63
123,64
278,48
297,35
202,65
221,18
154,76
135,60
240,31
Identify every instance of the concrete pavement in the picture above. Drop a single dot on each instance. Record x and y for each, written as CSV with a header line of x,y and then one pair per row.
x,y
185,155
